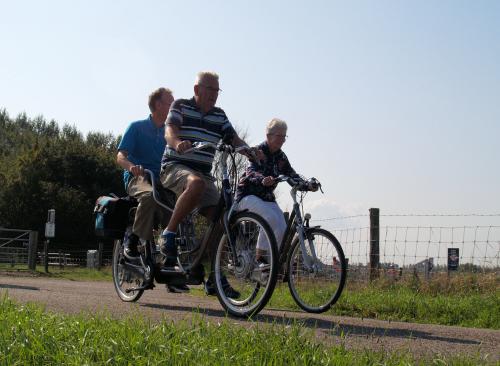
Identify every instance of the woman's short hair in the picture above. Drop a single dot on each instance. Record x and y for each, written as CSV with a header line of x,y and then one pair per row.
x,y
276,124
156,96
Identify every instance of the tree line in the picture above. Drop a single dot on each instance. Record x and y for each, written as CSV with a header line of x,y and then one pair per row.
x,y
44,166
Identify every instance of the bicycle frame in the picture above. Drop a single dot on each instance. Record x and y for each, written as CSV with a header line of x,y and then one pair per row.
x,y
296,225
223,211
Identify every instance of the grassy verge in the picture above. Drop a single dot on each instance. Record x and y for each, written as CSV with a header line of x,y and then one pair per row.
x,y
67,273
30,336
468,300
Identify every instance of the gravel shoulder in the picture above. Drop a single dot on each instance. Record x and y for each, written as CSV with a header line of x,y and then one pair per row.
x,y
75,297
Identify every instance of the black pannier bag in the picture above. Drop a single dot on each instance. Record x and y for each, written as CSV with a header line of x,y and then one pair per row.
x,y
112,215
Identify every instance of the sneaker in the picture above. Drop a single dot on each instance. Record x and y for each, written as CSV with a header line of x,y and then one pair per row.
x,y
169,250
260,272
177,289
170,261
228,290
130,243
262,265
209,287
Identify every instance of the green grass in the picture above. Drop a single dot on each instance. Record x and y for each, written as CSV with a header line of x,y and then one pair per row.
x,y
30,336
15,267
67,273
469,301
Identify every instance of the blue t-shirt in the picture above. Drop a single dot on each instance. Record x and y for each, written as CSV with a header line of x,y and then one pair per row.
x,y
144,143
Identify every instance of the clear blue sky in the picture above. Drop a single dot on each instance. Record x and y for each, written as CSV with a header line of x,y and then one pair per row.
x,y
390,104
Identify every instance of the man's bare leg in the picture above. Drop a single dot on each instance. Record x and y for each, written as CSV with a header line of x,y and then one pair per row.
x,y
187,201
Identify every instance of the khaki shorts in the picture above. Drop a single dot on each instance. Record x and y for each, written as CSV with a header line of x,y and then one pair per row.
x,y
174,177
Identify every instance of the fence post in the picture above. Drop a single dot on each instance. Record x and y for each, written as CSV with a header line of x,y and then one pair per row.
x,y
99,255
46,255
32,247
374,243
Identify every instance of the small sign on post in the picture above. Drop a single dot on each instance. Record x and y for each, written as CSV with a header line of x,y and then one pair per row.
x,y
453,258
50,225
50,231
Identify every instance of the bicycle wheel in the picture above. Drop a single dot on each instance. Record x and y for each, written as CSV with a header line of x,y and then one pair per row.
x,y
316,284
124,279
252,280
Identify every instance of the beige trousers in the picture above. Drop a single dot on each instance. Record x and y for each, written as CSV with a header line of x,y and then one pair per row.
x,y
141,189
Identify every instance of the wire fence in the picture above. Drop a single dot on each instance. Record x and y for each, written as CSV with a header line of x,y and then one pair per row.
x,y
418,243
394,244
406,245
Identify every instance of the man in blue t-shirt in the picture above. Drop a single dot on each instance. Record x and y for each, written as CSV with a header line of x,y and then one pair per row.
x,y
142,148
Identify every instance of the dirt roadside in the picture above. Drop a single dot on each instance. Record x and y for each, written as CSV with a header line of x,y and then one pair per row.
x,y
73,297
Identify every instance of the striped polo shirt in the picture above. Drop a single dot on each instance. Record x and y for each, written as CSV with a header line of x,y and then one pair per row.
x,y
195,126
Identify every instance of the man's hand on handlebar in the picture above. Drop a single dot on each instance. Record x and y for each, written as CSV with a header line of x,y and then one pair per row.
x,y
136,170
259,154
268,181
252,153
183,146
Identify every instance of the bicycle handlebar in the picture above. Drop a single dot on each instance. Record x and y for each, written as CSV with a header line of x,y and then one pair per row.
x,y
197,146
156,197
311,184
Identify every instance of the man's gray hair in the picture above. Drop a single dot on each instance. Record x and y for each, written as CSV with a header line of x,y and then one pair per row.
x,y
276,124
205,74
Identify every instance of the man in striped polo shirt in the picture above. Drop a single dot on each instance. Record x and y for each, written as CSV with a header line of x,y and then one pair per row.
x,y
188,175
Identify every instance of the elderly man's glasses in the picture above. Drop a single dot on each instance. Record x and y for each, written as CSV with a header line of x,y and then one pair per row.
x,y
211,88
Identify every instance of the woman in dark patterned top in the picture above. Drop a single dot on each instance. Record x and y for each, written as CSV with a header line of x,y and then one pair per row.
x,y
256,187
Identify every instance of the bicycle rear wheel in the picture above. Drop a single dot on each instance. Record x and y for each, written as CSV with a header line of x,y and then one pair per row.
x,y
253,281
316,286
124,279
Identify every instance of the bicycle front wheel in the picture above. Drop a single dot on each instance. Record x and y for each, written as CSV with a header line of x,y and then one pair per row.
x,y
316,275
124,279
244,285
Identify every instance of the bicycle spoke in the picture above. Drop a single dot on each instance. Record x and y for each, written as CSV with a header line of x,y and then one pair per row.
x,y
252,283
317,286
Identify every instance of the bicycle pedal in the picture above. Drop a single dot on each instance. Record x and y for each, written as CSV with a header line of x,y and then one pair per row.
x,y
133,260
262,267
260,276
171,270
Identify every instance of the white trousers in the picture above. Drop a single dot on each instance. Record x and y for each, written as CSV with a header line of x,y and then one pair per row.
x,y
271,212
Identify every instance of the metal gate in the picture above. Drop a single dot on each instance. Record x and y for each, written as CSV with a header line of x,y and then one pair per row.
x,y
18,247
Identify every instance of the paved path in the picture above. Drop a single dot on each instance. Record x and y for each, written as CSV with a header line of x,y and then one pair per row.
x,y
65,296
